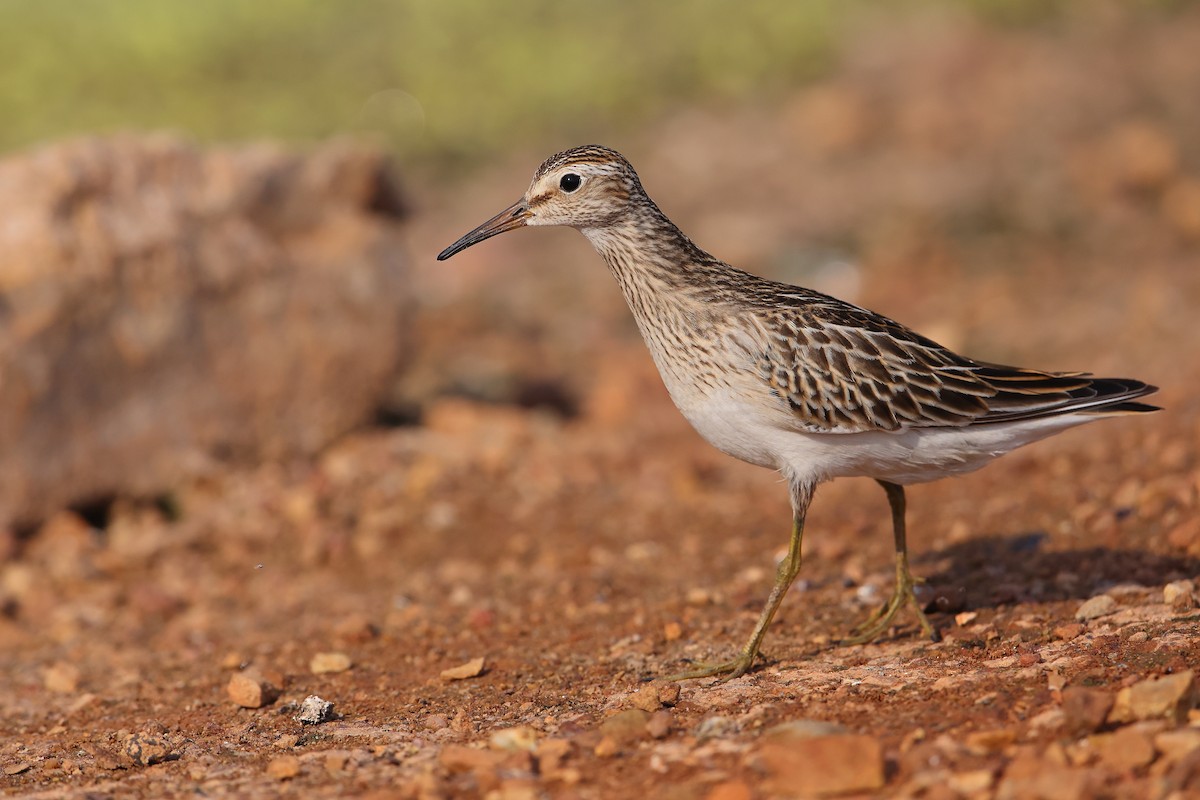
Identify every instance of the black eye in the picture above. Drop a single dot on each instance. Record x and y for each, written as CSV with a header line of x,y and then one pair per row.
x,y
570,182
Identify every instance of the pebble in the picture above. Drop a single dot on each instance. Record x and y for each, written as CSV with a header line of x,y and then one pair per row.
x,y
805,729
550,755
1085,709
625,726
1068,631
460,758
356,629
283,768
672,631
1179,595
1170,696
18,768
1099,606
646,698
147,749
471,669
659,724
715,727
1174,745
61,678
326,663
818,766
250,689
1124,750
314,711
515,739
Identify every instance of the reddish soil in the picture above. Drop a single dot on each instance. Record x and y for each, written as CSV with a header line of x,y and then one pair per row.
x,y
551,513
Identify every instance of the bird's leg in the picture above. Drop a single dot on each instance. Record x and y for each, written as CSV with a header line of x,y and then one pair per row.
x,y
879,621
788,568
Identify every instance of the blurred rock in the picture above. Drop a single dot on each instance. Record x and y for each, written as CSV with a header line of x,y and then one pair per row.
x,y
164,305
1170,696
821,765
1085,709
1099,606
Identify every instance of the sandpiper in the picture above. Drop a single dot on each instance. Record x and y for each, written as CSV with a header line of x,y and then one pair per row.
x,y
798,381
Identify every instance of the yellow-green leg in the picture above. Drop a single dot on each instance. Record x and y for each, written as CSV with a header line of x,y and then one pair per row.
x,y
788,568
881,620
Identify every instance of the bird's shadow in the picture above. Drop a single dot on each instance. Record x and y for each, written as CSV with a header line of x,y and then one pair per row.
x,y
988,571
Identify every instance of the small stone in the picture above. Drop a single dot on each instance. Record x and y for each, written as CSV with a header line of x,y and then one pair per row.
x,y
964,618
336,761
61,677
1170,696
356,629
973,782
18,768
1123,751
1030,777
287,741
314,711
1068,631
983,743
821,765
1174,745
514,739
325,663
1099,606
606,748
1179,595
730,790
436,722
471,669
668,693
659,724
283,768
805,729
625,726
146,749
672,631
646,698
1085,709
249,689
232,661
460,758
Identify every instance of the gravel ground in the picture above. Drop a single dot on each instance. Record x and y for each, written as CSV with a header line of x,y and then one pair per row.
x,y
481,602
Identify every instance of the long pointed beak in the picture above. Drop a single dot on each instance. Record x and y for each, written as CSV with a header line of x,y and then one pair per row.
x,y
509,219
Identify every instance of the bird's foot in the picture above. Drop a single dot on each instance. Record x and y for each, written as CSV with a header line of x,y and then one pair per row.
x,y
881,619
725,670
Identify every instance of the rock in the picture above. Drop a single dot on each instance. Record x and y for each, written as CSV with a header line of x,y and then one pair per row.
x,y
314,711
805,729
1179,595
61,678
972,782
982,743
1124,750
356,629
646,698
1099,606
283,768
249,689
514,739
1068,631
672,631
472,669
1170,697
668,693
167,304
1085,709
659,724
551,753
1174,745
820,765
625,726
325,663
460,758
1046,782
146,749
17,768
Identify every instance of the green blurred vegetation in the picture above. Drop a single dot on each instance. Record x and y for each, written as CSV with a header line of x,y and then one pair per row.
x,y
436,78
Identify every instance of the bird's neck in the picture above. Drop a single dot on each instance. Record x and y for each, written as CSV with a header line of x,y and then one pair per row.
x,y
646,251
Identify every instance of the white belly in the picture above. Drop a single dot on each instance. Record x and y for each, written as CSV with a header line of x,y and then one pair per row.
x,y
753,433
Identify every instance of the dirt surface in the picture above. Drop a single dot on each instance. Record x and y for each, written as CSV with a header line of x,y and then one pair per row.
x,y
545,509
